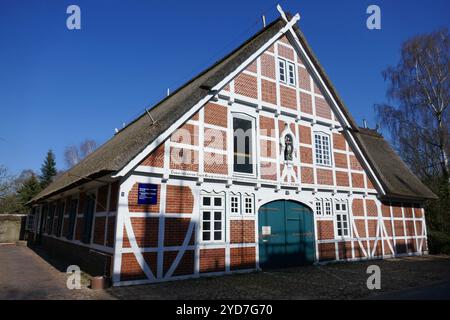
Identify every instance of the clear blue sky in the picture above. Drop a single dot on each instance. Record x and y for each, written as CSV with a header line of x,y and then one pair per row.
x,y
59,87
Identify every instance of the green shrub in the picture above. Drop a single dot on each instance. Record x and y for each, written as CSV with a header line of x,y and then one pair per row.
x,y
438,242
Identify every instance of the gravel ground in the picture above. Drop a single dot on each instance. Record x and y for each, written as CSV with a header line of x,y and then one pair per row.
x,y
332,281
26,275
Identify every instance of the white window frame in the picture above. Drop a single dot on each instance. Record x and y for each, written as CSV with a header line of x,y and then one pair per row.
x,y
252,205
212,209
319,207
282,70
327,207
247,117
291,80
322,150
238,204
339,215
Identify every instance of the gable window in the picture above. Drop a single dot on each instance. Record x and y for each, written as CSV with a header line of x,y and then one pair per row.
x,y
212,218
286,72
322,149
291,74
342,220
243,144
282,70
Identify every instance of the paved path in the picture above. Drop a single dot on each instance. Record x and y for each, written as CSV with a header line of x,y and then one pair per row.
x,y
435,291
25,275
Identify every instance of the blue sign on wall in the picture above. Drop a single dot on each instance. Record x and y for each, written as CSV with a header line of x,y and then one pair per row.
x,y
147,193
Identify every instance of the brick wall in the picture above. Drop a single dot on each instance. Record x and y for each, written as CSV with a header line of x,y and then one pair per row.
x,y
242,231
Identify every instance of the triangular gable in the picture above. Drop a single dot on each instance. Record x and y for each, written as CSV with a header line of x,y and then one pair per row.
x,y
321,83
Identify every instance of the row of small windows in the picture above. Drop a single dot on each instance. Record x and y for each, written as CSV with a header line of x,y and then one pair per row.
x,y
324,208
212,213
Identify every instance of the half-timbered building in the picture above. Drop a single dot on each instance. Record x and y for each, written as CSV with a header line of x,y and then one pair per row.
x,y
253,164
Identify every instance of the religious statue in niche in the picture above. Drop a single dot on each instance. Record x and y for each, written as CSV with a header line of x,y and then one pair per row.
x,y
288,147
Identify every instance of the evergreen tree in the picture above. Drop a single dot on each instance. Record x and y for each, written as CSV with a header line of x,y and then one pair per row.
x,y
28,190
48,169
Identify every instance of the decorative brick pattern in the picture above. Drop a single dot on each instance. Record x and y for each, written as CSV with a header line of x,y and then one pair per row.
x,y
372,209
325,230
397,210
305,103
179,199
358,180
345,250
215,139
306,155
304,79
267,126
288,98
246,85
268,91
268,66
185,266
305,134
242,231
322,108
268,149
358,207
327,251
324,177
183,159
372,226
187,134
146,231
215,163
342,179
338,141
354,164
286,52
361,227
268,170
242,258
216,115
212,260
156,158
307,175
252,67
175,231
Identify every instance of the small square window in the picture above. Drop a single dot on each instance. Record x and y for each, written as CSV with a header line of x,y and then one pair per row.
x,y
206,215
206,201
217,202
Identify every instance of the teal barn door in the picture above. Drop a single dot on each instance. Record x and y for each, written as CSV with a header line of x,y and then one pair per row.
x,y
286,234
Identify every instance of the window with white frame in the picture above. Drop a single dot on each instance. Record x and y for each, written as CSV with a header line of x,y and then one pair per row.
x,y
235,204
282,70
342,219
248,205
327,207
319,210
322,149
212,218
291,73
244,144
286,72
